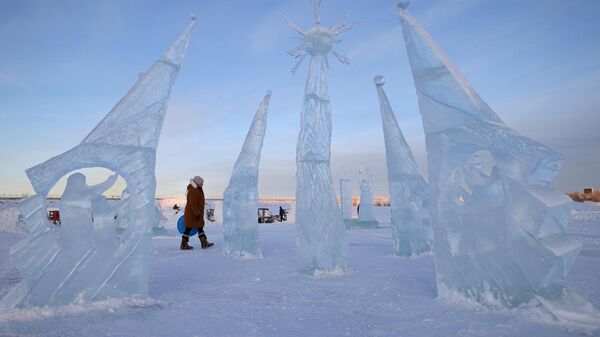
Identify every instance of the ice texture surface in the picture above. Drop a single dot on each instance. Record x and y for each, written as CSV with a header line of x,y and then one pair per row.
x,y
240,199
84,260
409,194
499,224
321,240
321,232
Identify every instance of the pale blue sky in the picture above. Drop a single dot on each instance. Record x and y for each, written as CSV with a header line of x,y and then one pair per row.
x,y
65,64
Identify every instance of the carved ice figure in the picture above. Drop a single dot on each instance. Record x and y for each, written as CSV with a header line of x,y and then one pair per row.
x,y
77,214
409,193
366,194
84,261
498,222
240,200
366,215
321,241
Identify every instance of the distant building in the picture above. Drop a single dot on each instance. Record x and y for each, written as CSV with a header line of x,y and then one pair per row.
x,y
378,200
588,190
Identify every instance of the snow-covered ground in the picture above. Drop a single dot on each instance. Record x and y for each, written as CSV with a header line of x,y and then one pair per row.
x,y
203,293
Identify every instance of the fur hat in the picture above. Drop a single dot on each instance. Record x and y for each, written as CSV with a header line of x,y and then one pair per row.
x,y
197,181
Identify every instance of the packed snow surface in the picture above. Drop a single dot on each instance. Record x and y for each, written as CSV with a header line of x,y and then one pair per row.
x,y
203,293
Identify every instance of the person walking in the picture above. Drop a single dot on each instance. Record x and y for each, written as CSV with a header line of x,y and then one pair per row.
x,y
282,216
193,215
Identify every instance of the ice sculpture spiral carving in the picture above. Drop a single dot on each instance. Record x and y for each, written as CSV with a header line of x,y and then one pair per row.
x,y
499,224
240,200
409,193
85,260
321,240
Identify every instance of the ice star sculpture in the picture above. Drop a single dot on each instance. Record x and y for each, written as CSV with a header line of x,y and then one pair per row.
x,y
84,260
409,193
240,200
498,222
321,240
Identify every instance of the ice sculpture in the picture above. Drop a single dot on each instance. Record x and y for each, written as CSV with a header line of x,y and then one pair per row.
x,y
85,260
499,224
321,240
409,193
366,215
240,200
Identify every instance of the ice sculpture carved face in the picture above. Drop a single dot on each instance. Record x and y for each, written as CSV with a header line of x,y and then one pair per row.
x,y
474,184
75,181
479,168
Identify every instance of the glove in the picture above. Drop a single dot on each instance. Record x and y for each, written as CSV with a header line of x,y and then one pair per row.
x,y
198,217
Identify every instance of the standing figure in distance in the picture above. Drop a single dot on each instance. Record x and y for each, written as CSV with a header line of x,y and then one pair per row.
x,y
194,214
281,214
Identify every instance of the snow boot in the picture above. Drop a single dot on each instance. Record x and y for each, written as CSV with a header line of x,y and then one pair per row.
x,y
204,241
184,243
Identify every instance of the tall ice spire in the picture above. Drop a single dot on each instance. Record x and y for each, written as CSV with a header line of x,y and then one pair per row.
x,y
240,200
409,193
321,231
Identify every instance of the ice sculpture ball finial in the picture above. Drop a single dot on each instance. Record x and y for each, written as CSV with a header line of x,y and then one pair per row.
x,y
193,17
402,4
379,80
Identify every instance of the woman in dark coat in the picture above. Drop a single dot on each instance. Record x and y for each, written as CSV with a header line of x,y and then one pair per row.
x,y
194,214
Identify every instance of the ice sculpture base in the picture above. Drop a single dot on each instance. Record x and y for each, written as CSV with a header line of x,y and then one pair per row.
x,y
571,310
348,223
160,231
364,224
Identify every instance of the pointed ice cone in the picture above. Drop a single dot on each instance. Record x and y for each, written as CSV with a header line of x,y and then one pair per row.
x,y
498,222
240,199
87,261
398,154
409,193
137,118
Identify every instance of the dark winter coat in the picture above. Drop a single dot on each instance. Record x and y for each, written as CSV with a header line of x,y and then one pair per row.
x,y
194,209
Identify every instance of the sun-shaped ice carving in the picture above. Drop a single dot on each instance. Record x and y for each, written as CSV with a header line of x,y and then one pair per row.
x,y
318,39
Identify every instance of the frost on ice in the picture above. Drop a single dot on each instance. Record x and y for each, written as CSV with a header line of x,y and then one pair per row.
x,y
84,259
366,214
409,193
321,240
499,224
240,199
